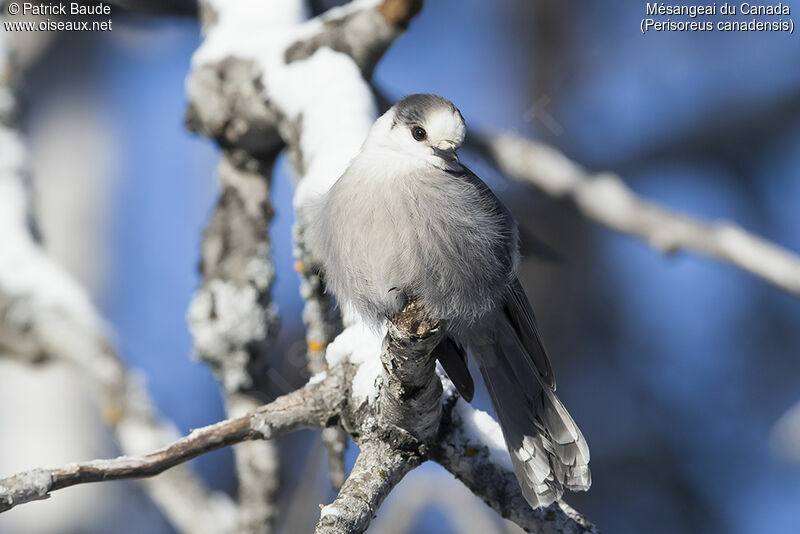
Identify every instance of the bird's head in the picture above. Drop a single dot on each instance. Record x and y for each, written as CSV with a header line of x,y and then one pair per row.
x,y
424,126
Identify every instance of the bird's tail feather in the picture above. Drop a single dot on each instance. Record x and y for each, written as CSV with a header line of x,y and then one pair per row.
x,y
547,449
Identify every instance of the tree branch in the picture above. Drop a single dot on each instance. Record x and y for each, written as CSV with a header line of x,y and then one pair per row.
x,y
605,199
234,324
256,95
378,469
409,368
394,431
322,325
270,83
46,315
228,91
311,406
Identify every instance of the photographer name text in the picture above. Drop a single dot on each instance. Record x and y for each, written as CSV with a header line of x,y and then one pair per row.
x,y
32,11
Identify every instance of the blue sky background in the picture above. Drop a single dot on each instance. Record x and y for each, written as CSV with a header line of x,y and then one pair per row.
x,y
675,368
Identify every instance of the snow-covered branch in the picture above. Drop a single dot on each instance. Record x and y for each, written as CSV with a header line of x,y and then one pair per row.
x,y
395,430
265,77
234,323
381,408
46,315
606,199
363,35
255,87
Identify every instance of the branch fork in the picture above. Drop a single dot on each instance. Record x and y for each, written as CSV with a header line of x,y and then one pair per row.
x,y
252,105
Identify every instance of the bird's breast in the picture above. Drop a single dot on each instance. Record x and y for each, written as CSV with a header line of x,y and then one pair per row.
x,y
422,233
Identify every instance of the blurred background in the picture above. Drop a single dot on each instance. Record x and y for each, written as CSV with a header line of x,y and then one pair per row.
x,y
677,369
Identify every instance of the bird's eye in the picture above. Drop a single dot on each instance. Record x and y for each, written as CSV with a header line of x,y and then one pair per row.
x,y
419,133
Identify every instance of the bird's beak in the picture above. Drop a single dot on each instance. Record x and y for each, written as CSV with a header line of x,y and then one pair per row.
x,y
445,151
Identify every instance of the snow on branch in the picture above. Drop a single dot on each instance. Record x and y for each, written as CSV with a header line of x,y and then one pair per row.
x,y
234,323
46,315
407,423
256,86
605,199
264,46
263,78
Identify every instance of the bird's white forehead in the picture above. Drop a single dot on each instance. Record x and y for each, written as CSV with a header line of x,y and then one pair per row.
x,y
444,124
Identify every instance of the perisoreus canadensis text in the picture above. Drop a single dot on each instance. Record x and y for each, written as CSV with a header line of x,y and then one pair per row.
x,y
407,221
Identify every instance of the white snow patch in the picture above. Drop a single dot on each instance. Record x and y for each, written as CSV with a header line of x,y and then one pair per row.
x,y
481,428
326,91
257,14
362,346
335,122
317,378
25,269
336,106
448,388
328,510
248,29
237,319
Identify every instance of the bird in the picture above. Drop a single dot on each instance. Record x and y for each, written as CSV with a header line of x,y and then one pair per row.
x,y
407,221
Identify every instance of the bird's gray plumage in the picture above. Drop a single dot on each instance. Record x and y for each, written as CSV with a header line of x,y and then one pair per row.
x,y
407,221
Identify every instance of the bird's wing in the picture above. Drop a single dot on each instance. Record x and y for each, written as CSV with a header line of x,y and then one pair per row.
x,y
520,315
517,308
454,362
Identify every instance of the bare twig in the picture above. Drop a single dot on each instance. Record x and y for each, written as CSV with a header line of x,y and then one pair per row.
x,y
318,404
605,199
311,406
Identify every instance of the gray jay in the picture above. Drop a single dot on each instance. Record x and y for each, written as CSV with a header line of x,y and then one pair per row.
x,y
408,221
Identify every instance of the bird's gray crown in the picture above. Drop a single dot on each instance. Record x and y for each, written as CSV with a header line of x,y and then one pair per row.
x,y
415,109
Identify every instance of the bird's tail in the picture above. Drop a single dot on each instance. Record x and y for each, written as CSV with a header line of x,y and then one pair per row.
x,y
547,449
